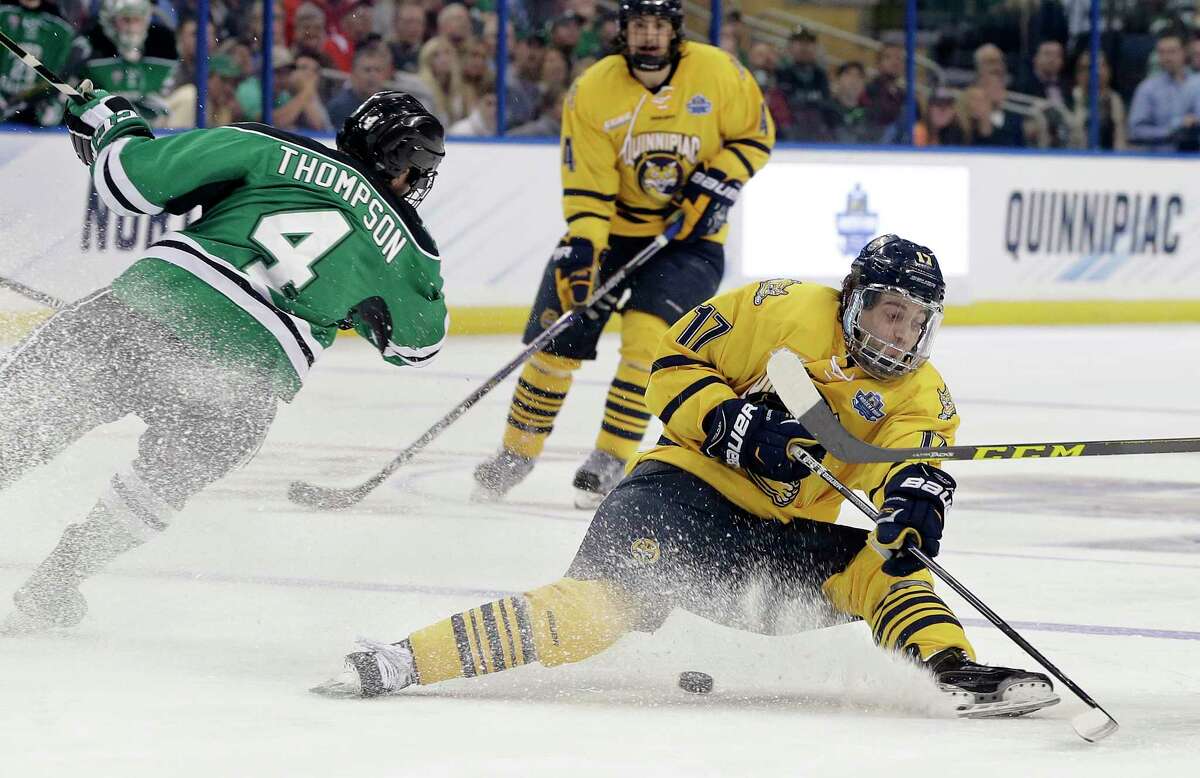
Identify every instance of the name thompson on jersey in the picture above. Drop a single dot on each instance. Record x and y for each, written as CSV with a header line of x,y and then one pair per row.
x,y
202,336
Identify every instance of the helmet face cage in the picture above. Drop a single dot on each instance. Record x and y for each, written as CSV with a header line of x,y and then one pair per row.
x,y
672,10
128,42
881,358
890,267
392,133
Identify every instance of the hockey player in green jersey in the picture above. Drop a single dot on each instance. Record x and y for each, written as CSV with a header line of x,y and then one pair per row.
x,y
39,27
202,336
127,54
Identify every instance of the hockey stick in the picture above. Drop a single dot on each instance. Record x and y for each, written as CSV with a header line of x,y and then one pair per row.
x,y
329,498
48,300
1092,725
820,421
46,73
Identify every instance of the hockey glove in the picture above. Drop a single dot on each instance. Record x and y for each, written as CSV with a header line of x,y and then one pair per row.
x,y
705,199
757,438
372,320
913,513
575,270
100,121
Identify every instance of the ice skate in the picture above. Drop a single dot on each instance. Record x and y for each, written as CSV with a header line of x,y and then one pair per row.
x,y
383,668
496,476
43,605
980,691
595,478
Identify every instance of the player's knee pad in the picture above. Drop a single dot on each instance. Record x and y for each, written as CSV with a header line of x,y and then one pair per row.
x,y
554,365
573,620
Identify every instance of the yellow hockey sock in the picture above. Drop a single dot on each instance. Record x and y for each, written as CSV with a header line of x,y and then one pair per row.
x,y
904,613
564,622
536,401
625,413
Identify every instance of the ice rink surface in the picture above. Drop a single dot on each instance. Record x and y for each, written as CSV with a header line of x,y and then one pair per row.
x,y
199,647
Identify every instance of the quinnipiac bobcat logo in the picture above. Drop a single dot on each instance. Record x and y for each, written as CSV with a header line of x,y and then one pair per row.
x,y
775,287
948,409
659,175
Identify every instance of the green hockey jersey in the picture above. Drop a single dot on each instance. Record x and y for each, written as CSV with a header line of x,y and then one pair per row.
x,y
45,34
293,239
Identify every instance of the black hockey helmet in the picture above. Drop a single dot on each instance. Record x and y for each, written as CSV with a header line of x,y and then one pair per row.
x,y
390,133
671,10
892,269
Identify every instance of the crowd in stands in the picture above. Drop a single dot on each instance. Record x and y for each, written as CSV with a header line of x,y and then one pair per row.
x,y
1017,75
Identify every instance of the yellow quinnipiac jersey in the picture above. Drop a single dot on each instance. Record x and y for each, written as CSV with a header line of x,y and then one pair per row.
x,y
720,350
626,150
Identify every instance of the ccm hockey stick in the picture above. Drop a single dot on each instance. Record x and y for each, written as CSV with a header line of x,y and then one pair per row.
x,y
820,421
52,78
1092,725
330,498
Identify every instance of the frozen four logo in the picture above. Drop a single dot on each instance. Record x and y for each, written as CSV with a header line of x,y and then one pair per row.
x,y
699,105
869,405
857,224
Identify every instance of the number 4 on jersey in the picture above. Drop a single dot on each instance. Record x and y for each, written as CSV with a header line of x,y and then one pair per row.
x,y
294,241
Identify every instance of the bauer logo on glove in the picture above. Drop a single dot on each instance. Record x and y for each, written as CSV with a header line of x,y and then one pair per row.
x,y
705,200
913,514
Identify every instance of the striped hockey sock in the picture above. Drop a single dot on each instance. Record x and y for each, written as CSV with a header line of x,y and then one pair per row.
x,y
541,390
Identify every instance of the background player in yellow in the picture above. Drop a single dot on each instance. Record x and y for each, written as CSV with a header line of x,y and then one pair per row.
x,y
719,505
665,127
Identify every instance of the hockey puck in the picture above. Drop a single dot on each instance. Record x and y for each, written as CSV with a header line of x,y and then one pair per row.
x,y
695,682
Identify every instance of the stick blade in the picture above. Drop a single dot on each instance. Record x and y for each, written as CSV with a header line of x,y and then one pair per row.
x,y
1094,725
792,382
315,496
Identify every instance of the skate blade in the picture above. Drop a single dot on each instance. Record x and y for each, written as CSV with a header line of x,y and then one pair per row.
x,y
18,624
485,495
1016,700
587,501
343,686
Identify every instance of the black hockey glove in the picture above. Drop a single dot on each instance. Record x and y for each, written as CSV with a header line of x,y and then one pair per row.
x,y
575,270
757,438
705,199
101,120
913,513
372,320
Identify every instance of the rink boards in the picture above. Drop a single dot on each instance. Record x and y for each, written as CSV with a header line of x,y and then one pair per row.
x,y
1023,238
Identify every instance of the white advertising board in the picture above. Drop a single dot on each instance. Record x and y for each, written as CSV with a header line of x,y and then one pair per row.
x,y
1005,227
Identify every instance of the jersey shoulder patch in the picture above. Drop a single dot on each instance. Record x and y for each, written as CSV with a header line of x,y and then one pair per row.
x,y
774,287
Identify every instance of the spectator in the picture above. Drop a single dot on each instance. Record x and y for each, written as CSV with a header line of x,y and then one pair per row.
x,y
565,33
884,97
252,29
372,70
491,23
477,73
845,117
590,35
1046,79
481,121
408,35
311,37
556,71
297,101
439,69
1194,52
549,122
988,123
580,65
801,78
128,54
524,75
762,60
989,59
1112,107
607,30
222,106
740,35
454,24
941,125
185,73
1164,106
357,24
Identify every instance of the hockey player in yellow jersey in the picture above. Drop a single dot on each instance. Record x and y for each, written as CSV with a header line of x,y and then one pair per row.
x,y
720,507
667,128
